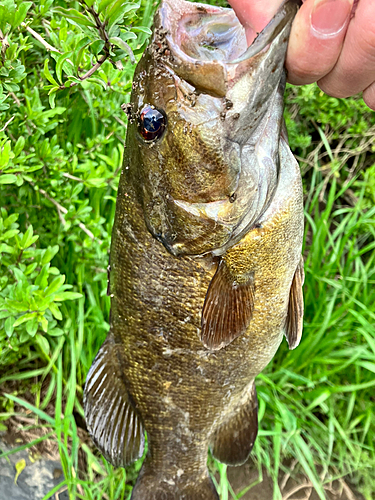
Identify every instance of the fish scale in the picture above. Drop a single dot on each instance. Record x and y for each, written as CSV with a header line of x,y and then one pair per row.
x,y
206,275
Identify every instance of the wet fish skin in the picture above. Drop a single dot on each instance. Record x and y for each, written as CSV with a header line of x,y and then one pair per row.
x,y
206,269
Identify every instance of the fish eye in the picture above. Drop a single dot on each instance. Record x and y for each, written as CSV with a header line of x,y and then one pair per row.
x,y
151,123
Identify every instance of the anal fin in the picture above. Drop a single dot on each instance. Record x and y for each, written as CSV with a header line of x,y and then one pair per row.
x,y
294,319
112,421
227,309
234,439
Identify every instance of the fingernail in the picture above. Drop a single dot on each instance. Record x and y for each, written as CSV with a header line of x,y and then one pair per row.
x,y
329,17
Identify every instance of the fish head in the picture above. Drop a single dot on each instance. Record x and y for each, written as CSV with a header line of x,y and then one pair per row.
x,y
204,125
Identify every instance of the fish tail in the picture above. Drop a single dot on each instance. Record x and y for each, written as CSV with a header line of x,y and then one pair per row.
x,y
158,487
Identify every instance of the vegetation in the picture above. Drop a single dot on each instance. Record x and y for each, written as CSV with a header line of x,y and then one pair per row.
x,y
65,71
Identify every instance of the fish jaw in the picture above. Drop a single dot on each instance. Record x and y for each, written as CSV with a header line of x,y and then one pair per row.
x,y
215,171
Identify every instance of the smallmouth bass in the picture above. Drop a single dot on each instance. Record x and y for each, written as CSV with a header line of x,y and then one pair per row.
x,y
206,273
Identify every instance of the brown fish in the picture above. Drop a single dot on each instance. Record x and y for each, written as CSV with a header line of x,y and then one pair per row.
x,y
206,272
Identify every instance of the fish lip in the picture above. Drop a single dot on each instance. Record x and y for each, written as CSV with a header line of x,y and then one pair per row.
x,y
285,13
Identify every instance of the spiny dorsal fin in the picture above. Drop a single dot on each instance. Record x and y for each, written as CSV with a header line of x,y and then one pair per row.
x,y
234,439
227,309
294,319
112,422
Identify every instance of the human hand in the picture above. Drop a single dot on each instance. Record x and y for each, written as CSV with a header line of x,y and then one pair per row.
x,y
332,42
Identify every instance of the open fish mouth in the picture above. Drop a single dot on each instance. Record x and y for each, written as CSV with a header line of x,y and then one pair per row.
x,y
208,44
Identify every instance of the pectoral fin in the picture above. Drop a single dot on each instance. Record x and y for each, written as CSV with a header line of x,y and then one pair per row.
x,y
227,309
234,439
294,320
112,421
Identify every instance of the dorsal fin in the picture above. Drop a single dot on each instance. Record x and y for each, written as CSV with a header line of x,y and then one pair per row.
x,y
294,319
227,309
111,419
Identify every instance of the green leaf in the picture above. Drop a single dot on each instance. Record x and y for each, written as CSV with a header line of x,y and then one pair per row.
x,y
128,35
16,305
77,18
44,323
20,13
32,327
31,268
18,274
8,179
104,85
56,332
8,326
80,49
124,46
97,46
142,29
42,279
118,10
6,155
11,219
49,254
28,238
55,311
103,5
59,64
7,249
24,318
43,343
48,75
19,145
55,285
52,96
9,234
7,11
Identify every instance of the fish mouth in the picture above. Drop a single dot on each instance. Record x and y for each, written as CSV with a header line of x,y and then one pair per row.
x,y
208,44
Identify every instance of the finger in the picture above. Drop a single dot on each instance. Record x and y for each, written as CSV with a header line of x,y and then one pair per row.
x,y
254,15
316,39
369,96
355,68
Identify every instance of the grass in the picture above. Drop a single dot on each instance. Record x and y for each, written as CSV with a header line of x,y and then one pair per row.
x,y
316,403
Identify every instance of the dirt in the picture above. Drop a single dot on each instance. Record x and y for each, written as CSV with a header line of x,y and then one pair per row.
x,y
293,486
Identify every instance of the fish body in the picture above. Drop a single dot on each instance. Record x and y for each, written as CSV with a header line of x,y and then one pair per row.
x,y
206,273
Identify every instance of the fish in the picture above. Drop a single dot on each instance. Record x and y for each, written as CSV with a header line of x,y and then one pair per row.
x,y
206,271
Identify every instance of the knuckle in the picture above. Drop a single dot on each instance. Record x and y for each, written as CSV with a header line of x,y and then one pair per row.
x,y
369,96
330,86
301,73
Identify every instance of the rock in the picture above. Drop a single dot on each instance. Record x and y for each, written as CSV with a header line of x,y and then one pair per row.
x,y
35,480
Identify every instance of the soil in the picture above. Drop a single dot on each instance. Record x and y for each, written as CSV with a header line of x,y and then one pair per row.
x,y
292,486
